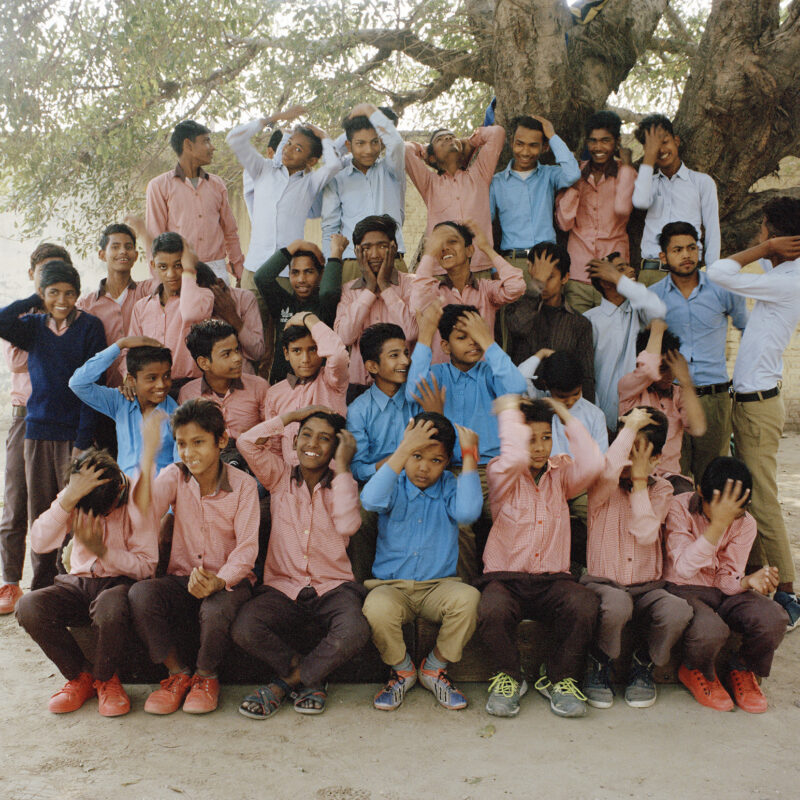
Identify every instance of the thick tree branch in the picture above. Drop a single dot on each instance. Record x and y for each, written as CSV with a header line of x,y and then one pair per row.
x,y
671,45
625,114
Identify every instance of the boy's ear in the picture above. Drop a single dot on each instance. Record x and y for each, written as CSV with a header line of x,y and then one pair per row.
x,y
371,367
222,442
31,273
270,152
677,140
40,291
662,257
546,146
204,363
445,346
470,251
347,145
564,279
101,254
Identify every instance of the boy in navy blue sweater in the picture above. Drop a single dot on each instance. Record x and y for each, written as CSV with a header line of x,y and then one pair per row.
x,y
57,423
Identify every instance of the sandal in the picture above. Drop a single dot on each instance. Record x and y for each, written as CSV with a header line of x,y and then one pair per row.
x,y
317,694
265,700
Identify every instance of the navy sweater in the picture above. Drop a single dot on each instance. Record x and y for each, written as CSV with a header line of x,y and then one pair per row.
x,y
54,412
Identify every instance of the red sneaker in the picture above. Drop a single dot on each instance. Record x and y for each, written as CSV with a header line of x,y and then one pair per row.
x,y
708,693
203,695
746,691
72,695
9,594
112,701
169,697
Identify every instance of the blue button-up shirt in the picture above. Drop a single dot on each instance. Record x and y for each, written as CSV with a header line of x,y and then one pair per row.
x,y
525,206
470,394
593,419
418,528
377,422
126,414
701,321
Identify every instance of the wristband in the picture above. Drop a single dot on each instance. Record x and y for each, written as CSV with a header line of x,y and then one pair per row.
x,y
470,451
307,315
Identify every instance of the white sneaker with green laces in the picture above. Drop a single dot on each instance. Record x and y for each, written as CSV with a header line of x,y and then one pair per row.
x,y
504,695
566,699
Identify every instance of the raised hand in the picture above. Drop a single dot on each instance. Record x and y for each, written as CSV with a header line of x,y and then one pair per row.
x,y
127,342
474,325
548,129
603,270
435,242
301,414
152,424
345,450
431,396
725,506
428,322
302,244
81,483
653,137
680,369
561,411
641,455
479,237
542,267
784,247
88,529
636,419
338,245
384,276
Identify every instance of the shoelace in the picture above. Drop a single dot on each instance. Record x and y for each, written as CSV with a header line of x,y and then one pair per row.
x,y
171,684
744,681
110,687
202,683
503,684
641,672
568,686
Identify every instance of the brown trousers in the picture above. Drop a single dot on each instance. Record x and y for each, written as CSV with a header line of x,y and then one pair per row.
x,y
14,523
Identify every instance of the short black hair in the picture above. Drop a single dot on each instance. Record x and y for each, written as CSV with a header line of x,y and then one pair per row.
x,y
536,411
275,139
555,251
652,121
670,341
59,272
675,229
117,227
139,357
382,223
561,372
205,413
463,230
782,216
656,431
389,114
336,421
291,333
721,470
451,313
316,142
445,432
352,125
101,500
605,120
204,335
526,121
49,250
188,129
307,254
610,258
206,277
375,336
167,242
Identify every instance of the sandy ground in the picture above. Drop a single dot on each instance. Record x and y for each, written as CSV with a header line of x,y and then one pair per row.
x,y
677,749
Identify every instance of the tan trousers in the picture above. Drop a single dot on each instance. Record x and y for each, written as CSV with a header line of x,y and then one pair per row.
x,y
351,270
581,296
269,329
699,451
757,428
446,601
650,276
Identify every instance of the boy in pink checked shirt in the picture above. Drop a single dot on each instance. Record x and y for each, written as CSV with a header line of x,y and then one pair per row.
x,y
708,538
627,507
113,546
319,374
450,246
307,575
210,571
526,559
658,365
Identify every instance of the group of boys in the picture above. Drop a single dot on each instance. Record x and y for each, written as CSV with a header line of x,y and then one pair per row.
x,y
428,444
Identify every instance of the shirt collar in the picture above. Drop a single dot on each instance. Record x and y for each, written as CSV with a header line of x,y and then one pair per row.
x,y
509,169
179,173
223,482
682,173
611,170
471,281
237,383
324,482
701,277
349,168
360,283
101,290
71,317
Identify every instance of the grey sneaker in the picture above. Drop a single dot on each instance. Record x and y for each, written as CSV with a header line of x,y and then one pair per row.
x,y
597,684
641,690
504,695
566,699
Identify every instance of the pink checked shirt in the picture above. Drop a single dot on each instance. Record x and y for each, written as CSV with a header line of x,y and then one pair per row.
x,y
634,390
310,531
242,405
466,194
486,294
17,362
624,527
692,560
531,530
218,532
596,215
201,214
131,539
359,308
251,336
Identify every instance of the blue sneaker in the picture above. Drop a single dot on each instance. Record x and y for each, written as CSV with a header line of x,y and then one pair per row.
x,y
791,606
391,696
438,682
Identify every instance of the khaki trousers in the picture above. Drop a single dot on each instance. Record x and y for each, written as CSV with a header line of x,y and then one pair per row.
x,y
699,451
650,276
581,296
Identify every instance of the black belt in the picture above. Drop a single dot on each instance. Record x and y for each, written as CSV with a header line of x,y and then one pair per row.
x,y
749,397
653,263
516,253
712,388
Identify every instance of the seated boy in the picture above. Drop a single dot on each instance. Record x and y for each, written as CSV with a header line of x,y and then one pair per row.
x,y
210,571
651,384
307,577
57,424
149,368
420,507
708,538
380,295
627,507
113,546
319,372
527,556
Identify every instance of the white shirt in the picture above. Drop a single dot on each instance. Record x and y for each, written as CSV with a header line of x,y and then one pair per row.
x,y
687,196
614,331
281,202
759,363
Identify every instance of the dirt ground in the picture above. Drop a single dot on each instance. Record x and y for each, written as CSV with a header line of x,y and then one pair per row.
x,y
677,749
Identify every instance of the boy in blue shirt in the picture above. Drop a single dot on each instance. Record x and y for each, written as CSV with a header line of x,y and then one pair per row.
x,y
149,365
420,507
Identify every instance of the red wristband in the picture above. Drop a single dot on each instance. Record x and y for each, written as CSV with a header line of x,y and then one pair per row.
x,y
470,451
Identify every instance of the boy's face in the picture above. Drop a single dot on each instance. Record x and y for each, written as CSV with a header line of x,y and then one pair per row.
x,y
463,350
303,358
315,443
59,299
374,246
304,276
120,253
365,147
153,382
667,378
641,441
296,154
226,359
455,252
444,144
682,255
201,149
198,449
568,398
553,285
425,466
169,270
527,146
392,365
668,152
623,267
35,274
601,145
540,445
